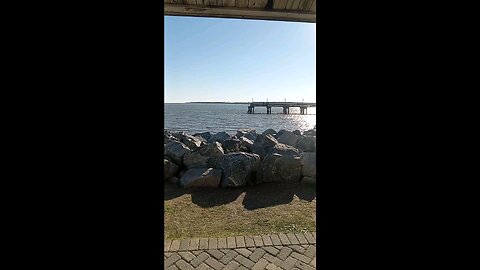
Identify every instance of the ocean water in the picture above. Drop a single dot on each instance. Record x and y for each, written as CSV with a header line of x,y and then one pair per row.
x,y
194,118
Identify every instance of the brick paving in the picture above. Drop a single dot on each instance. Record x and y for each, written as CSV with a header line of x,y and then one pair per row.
x,y
272,251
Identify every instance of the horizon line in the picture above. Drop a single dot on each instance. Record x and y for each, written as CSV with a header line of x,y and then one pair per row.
x,y
237,101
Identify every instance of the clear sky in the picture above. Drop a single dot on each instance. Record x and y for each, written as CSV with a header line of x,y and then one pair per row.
x,y
211,59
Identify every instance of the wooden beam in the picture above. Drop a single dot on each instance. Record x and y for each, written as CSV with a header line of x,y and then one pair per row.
x,y
305,5
242,3
213,3
292,4
239,13
279,4
257,3
229,3
313,8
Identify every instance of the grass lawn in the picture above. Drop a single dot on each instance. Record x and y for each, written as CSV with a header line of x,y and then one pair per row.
x,y
262,209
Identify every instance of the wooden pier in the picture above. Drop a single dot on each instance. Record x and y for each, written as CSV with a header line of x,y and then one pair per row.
x,y
285,105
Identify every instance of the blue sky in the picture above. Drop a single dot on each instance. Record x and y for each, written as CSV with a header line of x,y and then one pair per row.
x,y
211,59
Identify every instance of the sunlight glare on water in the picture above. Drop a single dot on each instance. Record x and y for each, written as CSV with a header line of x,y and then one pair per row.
x,y
195,118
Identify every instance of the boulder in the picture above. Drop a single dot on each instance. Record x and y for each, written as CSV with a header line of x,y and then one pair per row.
x,y
237,168
284,149
269,131
168,137
309,164
170,169
309,180
307,144
250,136
173,180
191,141
182,172
311,132
297,132
280,168
250,133
279,133
288,137
219,137
281,164
201,177
205,135
257,162
179,135
205,156
247,143
289,169
263,144
200,138
176,150
231,145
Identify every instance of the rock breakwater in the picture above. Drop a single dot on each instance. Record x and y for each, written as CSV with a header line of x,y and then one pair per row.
x,y
246,158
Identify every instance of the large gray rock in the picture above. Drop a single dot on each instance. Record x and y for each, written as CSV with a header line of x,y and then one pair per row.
x,y
284,149
168,137
311,132
170,169
248,133
309,164
288,137
264,144
204,135
237,168
201,177
192,142
247,143
182,172
297,132
281,164
220,137
204,157
307,144
176,150
179,135
309,180
200,138
250,136
289,169
231,145
173,180
241,132
279,133
269,131
280,168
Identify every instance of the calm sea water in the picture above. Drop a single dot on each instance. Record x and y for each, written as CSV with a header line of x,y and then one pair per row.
x,y
194,118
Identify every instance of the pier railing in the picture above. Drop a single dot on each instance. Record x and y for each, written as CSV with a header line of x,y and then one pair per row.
x,y
285,105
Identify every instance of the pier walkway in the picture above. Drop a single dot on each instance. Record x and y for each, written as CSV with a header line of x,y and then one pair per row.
x,y
285,105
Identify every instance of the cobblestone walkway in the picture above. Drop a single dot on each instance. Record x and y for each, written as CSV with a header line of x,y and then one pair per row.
x,y
273,251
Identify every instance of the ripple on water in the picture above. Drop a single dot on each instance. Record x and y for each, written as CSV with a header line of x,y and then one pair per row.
x,y
193,118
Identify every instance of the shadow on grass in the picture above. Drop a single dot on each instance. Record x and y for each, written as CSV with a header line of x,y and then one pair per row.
x,y
214,197
204,197
271,194
258,196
